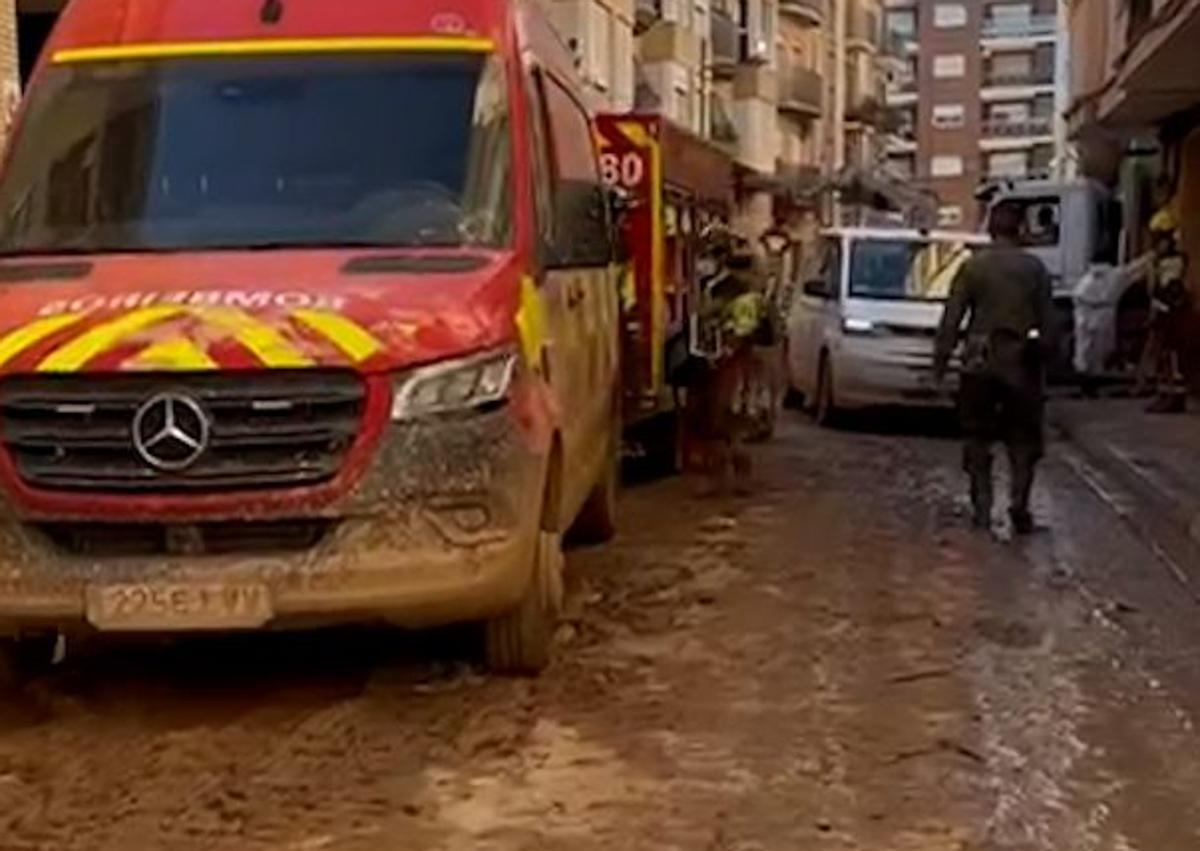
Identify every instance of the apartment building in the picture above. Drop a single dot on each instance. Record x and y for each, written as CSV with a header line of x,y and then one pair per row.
x,y
975,97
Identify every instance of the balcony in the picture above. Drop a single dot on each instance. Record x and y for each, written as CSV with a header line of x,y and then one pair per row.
x,y
1019,79
801,92
1034,26
862,29
1008,128
806,11
646,12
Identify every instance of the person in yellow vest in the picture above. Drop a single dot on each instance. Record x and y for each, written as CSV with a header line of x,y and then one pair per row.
x,y
1169,300
719,418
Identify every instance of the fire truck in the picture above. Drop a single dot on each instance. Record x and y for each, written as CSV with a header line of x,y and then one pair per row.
x,y
675,186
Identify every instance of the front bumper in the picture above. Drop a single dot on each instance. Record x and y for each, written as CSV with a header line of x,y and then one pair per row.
x,y
441,528
889,371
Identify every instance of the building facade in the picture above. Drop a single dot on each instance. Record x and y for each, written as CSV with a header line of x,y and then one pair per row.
x,y
1135,115
976,97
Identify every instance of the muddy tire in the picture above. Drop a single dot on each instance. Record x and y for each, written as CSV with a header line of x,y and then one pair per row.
x,y
665,445
520,641
597,520
825,410
23,659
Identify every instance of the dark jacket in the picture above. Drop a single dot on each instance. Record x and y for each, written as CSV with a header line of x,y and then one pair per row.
x,y
1006,293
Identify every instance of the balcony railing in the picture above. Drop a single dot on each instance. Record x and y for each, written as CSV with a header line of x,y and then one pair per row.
x,y
1009,128
1031,27
1022,78
812,11
801,92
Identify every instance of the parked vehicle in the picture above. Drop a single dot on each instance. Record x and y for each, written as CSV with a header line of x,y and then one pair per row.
x,y
677,187
308,315
860,332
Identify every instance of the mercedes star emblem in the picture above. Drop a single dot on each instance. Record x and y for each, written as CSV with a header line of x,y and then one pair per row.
x,y
171,431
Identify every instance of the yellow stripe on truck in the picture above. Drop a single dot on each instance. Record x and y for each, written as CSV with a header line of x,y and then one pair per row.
x,y
15,342
350,337
75,355
273,47
271,348
178,354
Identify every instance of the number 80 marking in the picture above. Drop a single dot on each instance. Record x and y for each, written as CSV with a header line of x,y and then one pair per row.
x,y
622,170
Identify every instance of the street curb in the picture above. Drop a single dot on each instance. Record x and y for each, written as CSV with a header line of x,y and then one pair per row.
x,y
1181,521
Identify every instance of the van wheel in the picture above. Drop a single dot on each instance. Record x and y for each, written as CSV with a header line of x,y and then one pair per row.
x,y
24,658
520,641
825,410
597,520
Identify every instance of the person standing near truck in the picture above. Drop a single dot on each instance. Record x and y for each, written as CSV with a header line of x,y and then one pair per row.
x,y
719,420
1005,295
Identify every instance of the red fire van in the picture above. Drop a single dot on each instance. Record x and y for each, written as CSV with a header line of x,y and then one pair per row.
x,y
308,314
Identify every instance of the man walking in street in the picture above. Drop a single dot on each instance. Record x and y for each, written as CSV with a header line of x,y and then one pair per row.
x,y
1005,295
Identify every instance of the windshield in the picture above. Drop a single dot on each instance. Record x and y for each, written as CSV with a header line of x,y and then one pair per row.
x,y
261,152
905,269
1040,220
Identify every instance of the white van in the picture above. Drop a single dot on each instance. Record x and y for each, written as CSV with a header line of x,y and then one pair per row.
x,y
861,328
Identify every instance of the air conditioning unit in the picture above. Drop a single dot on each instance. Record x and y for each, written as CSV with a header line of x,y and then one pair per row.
x,y
756,50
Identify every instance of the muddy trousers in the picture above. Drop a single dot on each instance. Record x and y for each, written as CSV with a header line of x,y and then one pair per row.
x,y
993,410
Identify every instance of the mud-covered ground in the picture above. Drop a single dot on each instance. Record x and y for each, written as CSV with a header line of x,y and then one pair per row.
x,y
834,663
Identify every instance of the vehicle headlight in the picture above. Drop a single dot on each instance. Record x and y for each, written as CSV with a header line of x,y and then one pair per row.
x,y
858,326
456,385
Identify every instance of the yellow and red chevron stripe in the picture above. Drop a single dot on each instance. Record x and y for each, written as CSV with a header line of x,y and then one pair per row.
x,y
188,338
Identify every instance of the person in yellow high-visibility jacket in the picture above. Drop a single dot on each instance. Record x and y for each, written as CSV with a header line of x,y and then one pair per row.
x,y
719,420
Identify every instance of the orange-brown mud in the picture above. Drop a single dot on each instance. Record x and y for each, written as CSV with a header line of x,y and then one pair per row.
x,y
834,663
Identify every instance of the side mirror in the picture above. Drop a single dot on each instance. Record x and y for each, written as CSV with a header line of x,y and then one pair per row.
x,y
816,288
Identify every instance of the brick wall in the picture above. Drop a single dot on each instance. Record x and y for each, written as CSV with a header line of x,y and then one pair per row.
x,y
10,86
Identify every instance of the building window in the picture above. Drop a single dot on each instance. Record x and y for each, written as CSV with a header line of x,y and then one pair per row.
x,y
946,165
1010,12
902,23
949,66
1008,164
950,216
1008,111
948,116
949,15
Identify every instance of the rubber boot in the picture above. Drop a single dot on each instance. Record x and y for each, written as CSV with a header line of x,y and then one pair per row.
x,y
977,461
1022,463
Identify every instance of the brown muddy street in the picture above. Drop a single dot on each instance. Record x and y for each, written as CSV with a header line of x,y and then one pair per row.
x,y
835,663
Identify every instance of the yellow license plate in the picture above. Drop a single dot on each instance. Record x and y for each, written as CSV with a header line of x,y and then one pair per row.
x,y
155,607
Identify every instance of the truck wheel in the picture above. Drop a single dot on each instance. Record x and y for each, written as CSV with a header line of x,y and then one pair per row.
x,y
519,642
23,658
665,445
597,520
